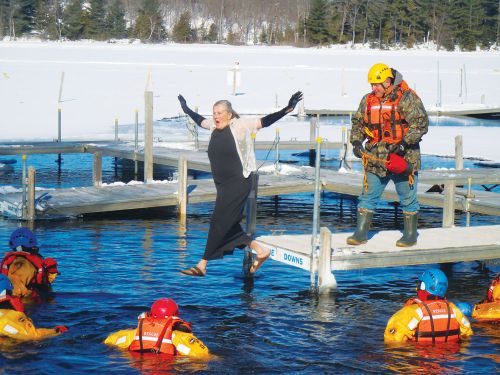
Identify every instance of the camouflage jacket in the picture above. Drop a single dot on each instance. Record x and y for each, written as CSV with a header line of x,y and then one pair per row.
x,y
413,111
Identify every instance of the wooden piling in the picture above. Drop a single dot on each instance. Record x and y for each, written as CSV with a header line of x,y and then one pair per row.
x,y
31,194
449,204
313,129
148,136
326,280
459,153
251,221
182,193
97,169
116,130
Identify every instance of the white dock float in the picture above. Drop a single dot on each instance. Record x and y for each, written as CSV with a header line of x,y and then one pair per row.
x,y
435,245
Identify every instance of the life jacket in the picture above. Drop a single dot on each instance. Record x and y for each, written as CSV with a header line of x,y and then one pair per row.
x,y
43,266
14,302
155,335
494,284
385,121
438,323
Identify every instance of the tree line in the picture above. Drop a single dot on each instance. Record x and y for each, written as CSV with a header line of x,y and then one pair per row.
x,y
468,24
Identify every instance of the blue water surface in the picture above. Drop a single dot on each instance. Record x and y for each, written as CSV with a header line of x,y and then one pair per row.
x,y
114,266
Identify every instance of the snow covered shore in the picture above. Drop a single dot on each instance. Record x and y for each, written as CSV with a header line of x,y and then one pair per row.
x,y
94,83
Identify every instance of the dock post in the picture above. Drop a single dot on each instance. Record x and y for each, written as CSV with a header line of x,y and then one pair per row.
x,y
251,221
459,153
148,137
31,194
59,125
348,152
136,144
313,129
116,130
25,189
467,202
277,166
449,204
182,194
315,228
97,169
326,280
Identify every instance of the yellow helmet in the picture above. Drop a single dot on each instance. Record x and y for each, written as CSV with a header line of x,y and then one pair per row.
x,y
378,73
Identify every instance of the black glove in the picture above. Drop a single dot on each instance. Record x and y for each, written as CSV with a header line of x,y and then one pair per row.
x,y
398,148
358,149
184,106
297,97
188,111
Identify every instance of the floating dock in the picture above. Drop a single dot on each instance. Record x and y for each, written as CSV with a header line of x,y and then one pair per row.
x,y
97,198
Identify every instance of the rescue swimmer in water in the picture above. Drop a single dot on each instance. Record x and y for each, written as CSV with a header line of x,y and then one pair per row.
x,y
487,310
30,273
13,321
429,318
160,330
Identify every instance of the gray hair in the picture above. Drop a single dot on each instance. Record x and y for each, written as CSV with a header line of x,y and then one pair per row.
x,y
229,107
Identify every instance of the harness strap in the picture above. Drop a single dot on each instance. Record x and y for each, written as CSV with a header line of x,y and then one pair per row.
x,y
157,347
433,331
449,321
393,121
140,334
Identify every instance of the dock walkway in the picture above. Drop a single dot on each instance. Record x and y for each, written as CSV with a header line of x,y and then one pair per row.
x,y
77,201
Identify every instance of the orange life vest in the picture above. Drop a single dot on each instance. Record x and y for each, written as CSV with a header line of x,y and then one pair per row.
x,y
494,284
438,324
155,335
385,121
43,266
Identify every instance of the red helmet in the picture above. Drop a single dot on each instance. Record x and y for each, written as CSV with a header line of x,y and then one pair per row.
x,y
164,307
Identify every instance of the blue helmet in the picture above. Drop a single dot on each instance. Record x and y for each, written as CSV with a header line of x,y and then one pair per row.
x,y
434,281
5,285
22,237
465,308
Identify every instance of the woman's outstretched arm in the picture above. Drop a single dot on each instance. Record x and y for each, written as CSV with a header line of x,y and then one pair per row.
x,y
196,117
273,117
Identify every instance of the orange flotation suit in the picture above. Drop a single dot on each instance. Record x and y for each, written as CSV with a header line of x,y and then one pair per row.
x,y
155,335
385,122
43,267
438,324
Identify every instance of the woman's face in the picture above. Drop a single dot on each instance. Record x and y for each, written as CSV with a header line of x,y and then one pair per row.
x,y
222,116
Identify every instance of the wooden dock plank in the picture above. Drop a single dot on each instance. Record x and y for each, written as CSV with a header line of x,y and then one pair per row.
x,y
435,245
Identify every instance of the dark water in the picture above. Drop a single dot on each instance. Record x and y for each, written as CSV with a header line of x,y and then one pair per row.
x,y
113,267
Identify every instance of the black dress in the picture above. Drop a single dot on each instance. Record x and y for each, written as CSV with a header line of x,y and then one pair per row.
x,y
232,187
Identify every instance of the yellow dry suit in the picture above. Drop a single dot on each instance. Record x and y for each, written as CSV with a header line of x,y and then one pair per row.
x,y
185,343
17,325
402,326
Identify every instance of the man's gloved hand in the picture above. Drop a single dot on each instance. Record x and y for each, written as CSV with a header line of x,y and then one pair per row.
x,y
297,97
398,148
358,149
183,103
61,329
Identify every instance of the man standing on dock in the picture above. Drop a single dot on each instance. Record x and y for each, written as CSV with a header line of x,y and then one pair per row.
x,y
392,120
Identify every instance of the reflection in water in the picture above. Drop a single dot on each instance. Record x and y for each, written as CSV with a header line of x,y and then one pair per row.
x,y
412,358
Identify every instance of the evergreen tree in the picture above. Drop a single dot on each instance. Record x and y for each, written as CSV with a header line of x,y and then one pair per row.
x,y
95,27
317,22
212,33
72,20
149,23
115,20
182,32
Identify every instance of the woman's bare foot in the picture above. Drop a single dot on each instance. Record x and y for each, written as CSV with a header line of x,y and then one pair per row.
x,y
262,255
